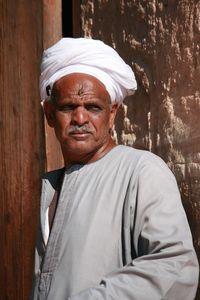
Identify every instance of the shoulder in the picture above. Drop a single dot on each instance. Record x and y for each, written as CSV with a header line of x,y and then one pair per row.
x,y
142,161
140,156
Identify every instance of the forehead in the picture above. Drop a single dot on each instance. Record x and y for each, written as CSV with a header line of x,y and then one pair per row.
x,y
78,84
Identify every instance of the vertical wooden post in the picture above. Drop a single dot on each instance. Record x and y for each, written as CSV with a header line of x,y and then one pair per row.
x,y
52,32
22,143
76,18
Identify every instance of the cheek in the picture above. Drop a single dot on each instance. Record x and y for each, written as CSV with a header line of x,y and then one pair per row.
x,y
101,124
63,119
62,123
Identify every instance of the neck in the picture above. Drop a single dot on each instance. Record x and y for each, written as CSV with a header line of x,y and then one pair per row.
x,y
87,158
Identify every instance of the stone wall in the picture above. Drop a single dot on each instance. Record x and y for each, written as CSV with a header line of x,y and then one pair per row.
x,y
161,41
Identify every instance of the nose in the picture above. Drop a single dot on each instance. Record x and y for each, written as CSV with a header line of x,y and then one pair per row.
x,y
80,116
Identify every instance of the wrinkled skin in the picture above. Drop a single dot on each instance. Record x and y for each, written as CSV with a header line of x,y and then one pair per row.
x,y
82,116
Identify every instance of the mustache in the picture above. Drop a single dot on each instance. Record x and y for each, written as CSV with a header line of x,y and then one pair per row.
x,y
80,129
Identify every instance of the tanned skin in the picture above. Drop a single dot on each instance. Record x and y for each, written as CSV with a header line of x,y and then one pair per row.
x,y
82,116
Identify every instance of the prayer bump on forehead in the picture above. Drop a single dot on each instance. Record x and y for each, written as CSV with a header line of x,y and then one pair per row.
x,y
80,91
88,56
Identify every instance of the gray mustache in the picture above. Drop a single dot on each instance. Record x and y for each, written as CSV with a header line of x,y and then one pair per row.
x,y
82,129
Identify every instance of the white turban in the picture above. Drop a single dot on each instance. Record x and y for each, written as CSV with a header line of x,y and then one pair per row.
x,y
88,56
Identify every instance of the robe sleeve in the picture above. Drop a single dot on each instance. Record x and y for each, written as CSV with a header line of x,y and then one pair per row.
x,y
165,264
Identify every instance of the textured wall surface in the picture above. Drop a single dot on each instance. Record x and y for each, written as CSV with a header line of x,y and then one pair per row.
x,y
161,41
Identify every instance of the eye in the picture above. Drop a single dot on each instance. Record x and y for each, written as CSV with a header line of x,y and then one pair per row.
x,y
66,107
93,108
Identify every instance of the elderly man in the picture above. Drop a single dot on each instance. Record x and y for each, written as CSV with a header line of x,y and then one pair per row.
x,y
112,224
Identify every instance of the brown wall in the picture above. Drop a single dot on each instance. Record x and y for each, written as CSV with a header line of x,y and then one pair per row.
x,y
160,39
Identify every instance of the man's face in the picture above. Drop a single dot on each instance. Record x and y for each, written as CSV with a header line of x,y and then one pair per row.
x,y
81,115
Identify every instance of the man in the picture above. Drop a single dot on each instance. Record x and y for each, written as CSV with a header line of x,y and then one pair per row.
x,y
112,224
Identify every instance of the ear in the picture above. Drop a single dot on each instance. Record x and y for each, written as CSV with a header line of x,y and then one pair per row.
x,y
113,113
49,110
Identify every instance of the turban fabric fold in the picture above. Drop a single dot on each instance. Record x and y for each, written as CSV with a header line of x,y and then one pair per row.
x,y
88,56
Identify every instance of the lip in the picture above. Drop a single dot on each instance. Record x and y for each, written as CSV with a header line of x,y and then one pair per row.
x,y
80,135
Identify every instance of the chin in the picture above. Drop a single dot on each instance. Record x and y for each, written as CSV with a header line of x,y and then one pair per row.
x,y
79,149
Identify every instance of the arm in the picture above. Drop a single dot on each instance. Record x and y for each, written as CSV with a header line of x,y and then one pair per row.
x,y
165,266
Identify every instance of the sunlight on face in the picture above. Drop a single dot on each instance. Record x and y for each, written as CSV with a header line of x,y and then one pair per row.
x,y
81,114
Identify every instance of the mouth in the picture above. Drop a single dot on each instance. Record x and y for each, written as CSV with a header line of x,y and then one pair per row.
x,y
80,135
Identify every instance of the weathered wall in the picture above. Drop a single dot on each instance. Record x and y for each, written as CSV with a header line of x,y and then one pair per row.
x,y
160,40
21,143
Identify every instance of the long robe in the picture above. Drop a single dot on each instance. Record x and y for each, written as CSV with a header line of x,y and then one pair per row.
x,y
119,233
